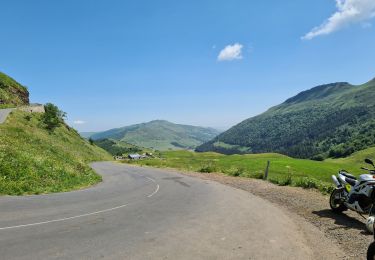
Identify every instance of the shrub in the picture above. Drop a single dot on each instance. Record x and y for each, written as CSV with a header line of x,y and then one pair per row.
x,y
28,117
257,175
286,181
235,172
53,117
318,157
208,168
307,183
310,183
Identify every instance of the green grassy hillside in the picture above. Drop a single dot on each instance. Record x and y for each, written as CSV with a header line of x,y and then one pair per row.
x,y
160,135
12,93
283,170
332,120
116,147
34,160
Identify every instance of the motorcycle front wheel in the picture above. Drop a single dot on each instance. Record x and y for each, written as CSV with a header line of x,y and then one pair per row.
x,y
371,251
335,201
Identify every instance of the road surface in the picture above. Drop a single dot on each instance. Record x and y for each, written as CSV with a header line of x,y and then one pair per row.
x,y
4,114
144,213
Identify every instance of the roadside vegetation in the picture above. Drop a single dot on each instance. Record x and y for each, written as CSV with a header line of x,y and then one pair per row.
x,y
39,153
283,170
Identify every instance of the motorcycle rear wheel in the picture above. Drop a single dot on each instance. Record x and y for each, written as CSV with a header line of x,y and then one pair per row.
x,y
371,251
335,202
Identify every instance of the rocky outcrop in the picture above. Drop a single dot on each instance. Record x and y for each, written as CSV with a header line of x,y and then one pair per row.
x,y
12,92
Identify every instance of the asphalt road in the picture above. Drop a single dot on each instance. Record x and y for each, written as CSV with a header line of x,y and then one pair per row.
x,y
142,213
4,114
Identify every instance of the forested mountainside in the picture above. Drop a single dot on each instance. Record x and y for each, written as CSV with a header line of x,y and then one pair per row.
x,y
332,120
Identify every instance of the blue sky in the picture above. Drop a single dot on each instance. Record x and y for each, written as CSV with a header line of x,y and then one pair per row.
x,y
211,63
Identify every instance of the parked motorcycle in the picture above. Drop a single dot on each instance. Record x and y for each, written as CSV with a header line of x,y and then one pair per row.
x,y
355,194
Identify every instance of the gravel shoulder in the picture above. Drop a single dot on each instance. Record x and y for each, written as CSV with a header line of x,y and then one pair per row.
x,y
346,231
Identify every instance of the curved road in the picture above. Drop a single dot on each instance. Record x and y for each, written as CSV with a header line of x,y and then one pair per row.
x,y
4,114
142,213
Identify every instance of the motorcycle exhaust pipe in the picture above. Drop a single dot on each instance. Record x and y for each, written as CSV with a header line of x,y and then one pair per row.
x,y
342,179
334,179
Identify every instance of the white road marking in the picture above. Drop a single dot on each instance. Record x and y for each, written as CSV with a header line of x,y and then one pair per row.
x,y
157,187
65,219
80,216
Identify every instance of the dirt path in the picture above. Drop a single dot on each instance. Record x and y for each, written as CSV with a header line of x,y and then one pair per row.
x,y
348,230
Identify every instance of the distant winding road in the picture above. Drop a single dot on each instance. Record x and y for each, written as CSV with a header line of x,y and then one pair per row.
x,y
143,213
4,114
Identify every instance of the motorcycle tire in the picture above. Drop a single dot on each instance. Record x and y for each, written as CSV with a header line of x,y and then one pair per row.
x,y
371,251
335,206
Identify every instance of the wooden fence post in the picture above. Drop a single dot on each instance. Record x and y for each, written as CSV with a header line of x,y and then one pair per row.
x,y
266,172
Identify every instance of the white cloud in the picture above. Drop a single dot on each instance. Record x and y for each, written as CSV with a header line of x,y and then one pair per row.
x,y
79,122
231,52
348,12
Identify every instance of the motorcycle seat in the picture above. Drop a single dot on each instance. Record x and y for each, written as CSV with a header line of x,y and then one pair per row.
x,y
348,175
351,181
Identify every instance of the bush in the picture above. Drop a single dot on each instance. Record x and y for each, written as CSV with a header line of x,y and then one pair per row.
x,y
235,172
257,175
310,183
208,168
307,183
52,117
318,157
286,181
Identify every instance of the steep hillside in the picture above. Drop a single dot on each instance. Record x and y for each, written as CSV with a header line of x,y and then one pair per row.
x,y
331,120
35,160
160,135
12,93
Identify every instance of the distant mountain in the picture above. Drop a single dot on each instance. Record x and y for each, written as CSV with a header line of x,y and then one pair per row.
x,y
332,120
87,135
12,93
160,135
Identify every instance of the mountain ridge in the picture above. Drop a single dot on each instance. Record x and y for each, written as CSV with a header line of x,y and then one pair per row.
x,y
160,135
331,120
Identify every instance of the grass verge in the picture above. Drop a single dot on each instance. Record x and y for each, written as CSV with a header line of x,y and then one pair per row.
x,y
34,160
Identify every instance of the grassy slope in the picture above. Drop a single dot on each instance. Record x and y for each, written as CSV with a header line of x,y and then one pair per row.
x,y
253,165
34,161
332,119
12,93
116,147
160,135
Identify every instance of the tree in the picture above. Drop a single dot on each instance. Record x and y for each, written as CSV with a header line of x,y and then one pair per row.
x,y
53,117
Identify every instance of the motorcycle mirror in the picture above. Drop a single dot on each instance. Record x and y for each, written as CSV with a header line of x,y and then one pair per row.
x,y
369,161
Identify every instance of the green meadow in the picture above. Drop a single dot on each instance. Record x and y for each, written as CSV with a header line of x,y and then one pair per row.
x,y
283,170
